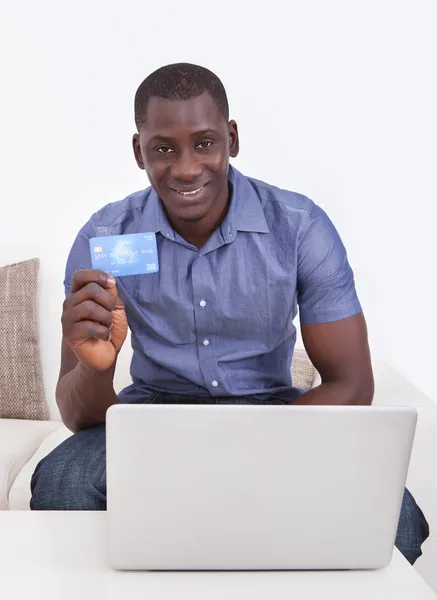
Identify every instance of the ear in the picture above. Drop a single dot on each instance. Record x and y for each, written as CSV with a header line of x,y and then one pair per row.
x,y
234,141
137,150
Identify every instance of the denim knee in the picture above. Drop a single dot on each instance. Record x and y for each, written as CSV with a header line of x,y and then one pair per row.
x,y
73,475
413,529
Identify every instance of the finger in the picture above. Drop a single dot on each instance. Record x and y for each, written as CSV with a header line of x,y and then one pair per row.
x,y
89,329
85,276
90,311
94,292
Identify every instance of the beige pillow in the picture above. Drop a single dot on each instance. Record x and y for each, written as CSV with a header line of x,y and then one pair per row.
x,y
302,370
21,388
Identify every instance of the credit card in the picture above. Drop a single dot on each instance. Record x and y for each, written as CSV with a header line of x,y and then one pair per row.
x,y
130,254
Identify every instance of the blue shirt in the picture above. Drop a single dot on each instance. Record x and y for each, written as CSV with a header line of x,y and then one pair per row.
x,y
218,321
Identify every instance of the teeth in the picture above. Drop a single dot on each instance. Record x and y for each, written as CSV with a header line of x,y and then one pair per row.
x,y
191,193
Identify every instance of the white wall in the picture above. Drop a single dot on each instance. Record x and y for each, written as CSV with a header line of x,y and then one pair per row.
x,y
334,99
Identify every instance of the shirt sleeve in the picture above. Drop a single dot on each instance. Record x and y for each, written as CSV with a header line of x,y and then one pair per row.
x,y
80,256
325,281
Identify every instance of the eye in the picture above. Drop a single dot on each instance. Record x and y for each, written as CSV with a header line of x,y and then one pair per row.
x,y
165,150
204,144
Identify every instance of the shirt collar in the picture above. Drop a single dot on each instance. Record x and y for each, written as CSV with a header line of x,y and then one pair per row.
x,y
154,216
246,208
245,212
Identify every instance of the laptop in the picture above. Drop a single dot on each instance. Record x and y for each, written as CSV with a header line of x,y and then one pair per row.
x,y
237,487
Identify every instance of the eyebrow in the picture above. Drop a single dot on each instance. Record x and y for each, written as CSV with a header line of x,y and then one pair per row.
x,y
169,139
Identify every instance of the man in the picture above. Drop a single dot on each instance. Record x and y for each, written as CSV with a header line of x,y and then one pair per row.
x,y
215,323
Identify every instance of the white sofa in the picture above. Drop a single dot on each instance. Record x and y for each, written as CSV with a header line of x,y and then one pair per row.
x,y
24,443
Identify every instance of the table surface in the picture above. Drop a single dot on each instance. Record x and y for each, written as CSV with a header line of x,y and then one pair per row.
x,y
63,555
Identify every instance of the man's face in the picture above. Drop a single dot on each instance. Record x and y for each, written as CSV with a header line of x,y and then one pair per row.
x,y
184,146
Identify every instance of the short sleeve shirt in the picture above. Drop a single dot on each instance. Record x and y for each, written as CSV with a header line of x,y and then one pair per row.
x,y
219,320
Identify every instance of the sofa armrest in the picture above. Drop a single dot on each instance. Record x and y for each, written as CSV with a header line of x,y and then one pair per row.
x,y
393,389
422,482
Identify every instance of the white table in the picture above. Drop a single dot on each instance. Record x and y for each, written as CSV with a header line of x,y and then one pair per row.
x,y
62,555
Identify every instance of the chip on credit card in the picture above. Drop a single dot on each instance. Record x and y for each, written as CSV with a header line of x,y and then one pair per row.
x,y
129,254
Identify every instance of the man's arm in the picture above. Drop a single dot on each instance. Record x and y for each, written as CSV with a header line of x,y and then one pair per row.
x,y
83,395
340,352
94,328
332,323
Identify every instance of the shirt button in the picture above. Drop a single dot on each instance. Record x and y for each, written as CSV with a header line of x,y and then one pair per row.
x,y
205,342
214,383
202,303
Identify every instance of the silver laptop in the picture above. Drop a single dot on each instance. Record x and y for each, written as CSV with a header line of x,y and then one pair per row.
x,y
255,487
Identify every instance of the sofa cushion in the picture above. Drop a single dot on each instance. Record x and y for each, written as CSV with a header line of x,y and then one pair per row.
x,y
19,494
21,386
19,440
302,370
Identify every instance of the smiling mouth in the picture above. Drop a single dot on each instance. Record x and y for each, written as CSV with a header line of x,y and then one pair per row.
x,y
191,193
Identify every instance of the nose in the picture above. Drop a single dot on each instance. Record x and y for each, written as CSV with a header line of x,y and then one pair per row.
x,y
186,168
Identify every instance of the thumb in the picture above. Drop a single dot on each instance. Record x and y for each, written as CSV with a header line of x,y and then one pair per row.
x,y
111,287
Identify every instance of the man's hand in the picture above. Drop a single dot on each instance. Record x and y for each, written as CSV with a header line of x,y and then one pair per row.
x,y
94,322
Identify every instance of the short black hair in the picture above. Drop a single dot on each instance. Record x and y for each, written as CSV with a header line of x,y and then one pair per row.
x,y
179,81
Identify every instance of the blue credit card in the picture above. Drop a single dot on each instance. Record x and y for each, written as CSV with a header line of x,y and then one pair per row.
x,y
131,254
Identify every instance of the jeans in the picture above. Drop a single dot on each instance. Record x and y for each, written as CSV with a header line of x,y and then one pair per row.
x,y
73,477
